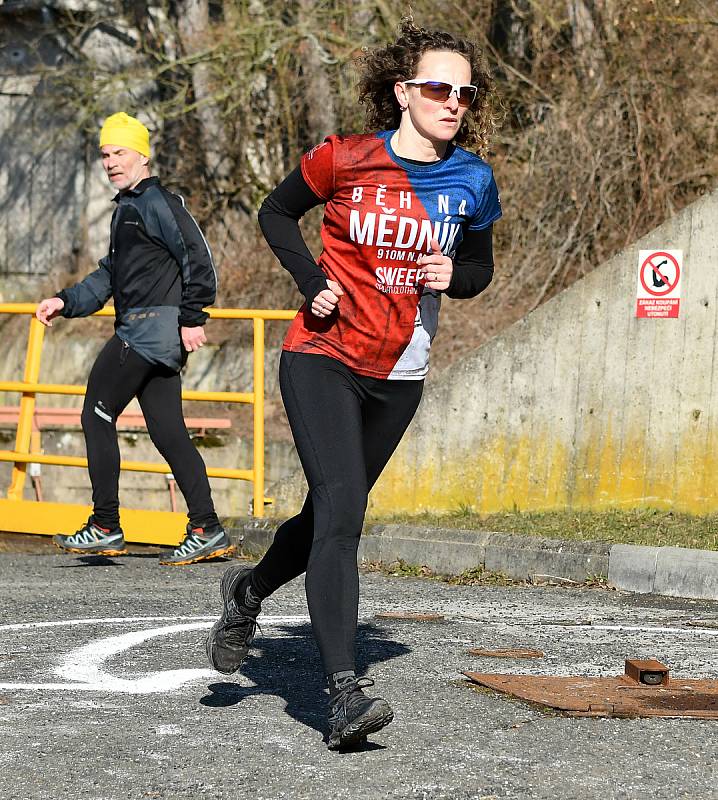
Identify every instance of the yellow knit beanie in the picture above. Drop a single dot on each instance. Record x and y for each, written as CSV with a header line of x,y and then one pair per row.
x,y
123,130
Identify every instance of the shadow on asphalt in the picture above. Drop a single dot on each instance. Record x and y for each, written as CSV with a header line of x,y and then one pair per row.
x,y
89,561
289,667
107,561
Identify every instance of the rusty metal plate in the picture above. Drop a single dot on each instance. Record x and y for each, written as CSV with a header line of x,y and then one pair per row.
x,y
608,697
411,616
508,652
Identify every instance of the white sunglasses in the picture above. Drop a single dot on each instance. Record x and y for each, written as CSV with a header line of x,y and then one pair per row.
x,y
441,91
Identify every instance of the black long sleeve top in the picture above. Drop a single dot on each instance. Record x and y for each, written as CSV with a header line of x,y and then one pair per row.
x,y
279,218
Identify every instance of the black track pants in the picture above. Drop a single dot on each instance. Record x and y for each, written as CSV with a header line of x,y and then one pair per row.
x,y
118,375
345,427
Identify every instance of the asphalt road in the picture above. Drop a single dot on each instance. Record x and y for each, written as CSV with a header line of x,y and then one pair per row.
x,y
105,692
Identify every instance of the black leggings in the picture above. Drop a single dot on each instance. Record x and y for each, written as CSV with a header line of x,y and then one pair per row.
x,y
345,427
118,375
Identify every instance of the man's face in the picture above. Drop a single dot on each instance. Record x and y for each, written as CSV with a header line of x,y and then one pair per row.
x,y
124,167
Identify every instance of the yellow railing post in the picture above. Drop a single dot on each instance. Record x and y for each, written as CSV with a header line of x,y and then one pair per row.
x,y
258,417
27,407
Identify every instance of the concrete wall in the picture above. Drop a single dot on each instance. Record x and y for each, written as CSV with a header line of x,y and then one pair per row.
x,y
580,404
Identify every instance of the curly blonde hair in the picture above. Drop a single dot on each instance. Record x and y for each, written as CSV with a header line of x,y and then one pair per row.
x,y
382,67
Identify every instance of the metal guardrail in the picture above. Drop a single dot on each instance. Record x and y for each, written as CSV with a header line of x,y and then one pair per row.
x,y
30,386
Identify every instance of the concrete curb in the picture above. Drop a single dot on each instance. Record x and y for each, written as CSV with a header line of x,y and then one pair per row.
x,y
669,571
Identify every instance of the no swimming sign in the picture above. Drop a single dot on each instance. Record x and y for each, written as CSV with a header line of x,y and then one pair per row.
x,y
658,291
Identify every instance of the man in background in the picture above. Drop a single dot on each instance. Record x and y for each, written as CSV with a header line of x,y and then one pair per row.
x,y
160,274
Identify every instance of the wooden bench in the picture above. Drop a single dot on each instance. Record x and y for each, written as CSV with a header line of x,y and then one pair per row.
x,y
45,418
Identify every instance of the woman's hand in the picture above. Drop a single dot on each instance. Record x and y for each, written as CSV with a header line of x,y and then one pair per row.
x,y
327,300
436,268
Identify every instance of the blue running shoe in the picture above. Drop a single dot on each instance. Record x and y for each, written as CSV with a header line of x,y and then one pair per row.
x,y
199,544
93,540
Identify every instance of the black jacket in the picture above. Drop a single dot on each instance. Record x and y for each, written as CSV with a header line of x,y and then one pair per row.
x,y
159,271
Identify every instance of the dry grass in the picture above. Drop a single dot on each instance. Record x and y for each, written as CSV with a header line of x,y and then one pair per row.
x,y
477,576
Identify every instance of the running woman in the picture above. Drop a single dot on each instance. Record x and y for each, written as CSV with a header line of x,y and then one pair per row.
x,y
408,218
159,272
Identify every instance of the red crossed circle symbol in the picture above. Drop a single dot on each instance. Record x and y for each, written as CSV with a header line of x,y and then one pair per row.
x,y
656,269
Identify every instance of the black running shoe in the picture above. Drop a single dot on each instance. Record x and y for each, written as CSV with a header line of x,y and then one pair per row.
x,y
199,544
231,637
353,715
93,540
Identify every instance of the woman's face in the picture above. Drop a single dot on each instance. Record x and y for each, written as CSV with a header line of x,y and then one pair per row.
x,y
435,120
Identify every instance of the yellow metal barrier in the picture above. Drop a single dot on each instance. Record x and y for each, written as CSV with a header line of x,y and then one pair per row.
x,y
150,527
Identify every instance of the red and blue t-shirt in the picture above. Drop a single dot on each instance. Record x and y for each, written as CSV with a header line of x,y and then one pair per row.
x,y
381,214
